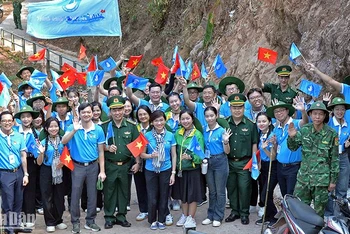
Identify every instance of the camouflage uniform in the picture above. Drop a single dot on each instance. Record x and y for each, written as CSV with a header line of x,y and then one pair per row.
x,y
320,165
17,7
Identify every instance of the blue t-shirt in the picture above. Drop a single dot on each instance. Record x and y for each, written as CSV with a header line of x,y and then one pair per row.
x,y
346,92
10,150
29,140
163,106
169,141
213,139
343,132
263,155
64,124
83,146
50,152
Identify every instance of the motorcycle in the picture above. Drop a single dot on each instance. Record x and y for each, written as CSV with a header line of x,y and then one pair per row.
x,y
298,218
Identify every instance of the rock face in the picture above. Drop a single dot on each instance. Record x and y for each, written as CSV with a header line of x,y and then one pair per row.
x,y
319,28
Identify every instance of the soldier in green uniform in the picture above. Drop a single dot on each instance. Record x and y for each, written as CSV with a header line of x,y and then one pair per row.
x,y
320,166
119,132
17,7
281,91
243,142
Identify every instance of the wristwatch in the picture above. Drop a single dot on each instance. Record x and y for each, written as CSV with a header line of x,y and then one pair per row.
x,y
26,174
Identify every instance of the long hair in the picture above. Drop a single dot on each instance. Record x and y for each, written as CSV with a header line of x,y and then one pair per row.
x,y
46,127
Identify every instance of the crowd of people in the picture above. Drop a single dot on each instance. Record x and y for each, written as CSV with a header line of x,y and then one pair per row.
x,y
301,145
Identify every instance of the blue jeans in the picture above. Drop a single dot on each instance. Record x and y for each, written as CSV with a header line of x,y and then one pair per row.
x,y
216,179
342,182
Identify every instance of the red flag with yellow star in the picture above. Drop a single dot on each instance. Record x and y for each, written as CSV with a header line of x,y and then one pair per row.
x,y
66,80
162,75
157,61
66,159
81,77
196,73
267,55
133,61
82,52
66,67
40,55
138,145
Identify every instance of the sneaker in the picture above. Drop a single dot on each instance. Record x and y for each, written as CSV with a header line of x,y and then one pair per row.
x,y
61,226
261,211
30,225
227,205
154,226
252,209
272,221
169,220
116,209
98,209
176,205
40,211
85,210
216,223
161,226
141,216
50,229
128,208
92,226
206,221
260,222
76,228
181,221
202,203
190,222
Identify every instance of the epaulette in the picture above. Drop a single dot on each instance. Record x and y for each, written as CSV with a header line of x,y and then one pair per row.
x,y
130,121
106,121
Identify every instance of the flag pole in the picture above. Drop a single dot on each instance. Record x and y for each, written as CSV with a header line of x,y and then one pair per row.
x,y
304,58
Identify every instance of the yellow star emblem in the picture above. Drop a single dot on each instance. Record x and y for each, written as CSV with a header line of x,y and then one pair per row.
x,y
195,73
138,145
163,75
65,80
267,55
36,55
135,62
68,158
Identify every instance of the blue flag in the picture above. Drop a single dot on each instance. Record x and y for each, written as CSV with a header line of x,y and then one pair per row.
x,y
108,64
5,80
37,79
310,88
183,69
219,67
118,74
68,18
110,132
55,86
204,72
188,69
294,53
31,145
94,78
174,54
255,169
196,148
5,97
136,82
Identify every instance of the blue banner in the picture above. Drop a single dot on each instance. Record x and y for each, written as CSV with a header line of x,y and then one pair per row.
x,y
68,18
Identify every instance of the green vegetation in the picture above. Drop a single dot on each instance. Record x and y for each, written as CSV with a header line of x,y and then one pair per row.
x,y
158,10
209,31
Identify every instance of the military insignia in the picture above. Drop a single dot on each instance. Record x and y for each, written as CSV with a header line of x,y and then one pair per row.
x,y
336,141
288,98
339,100
325,142
245,129
115,100
236,98
14,142
127,133
284,69
317,104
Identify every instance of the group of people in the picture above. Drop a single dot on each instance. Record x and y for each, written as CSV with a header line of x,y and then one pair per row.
x,y
299,144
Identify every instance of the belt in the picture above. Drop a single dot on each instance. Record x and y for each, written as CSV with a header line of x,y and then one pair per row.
x,y
240,159
289,164
84,164
118,163
222,155
11,170
29,155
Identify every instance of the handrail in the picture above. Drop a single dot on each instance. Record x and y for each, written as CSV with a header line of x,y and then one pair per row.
x,y
54,59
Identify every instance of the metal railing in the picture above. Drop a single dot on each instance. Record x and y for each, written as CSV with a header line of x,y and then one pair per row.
x,y
18,43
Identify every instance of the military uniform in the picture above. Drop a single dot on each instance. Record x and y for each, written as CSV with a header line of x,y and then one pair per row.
x,y
17,7
320,165
116,188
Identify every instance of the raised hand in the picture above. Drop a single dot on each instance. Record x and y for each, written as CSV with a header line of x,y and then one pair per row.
x,y
76,124
227,134
327,97
216,103
298,103
274,101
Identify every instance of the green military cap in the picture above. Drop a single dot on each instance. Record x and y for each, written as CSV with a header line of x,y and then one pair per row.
x,y
108,82
338,101
115,102
37,96
237,99
23,85
18,74
280,104
61,100
27,109
194,85
319,106
231,80
284,70
347,80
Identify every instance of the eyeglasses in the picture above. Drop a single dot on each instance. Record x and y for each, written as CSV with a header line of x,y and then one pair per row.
x,y
231,89
6,121
279,111
255,98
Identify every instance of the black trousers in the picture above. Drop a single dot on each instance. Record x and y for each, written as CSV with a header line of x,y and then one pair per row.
x,y
157,191
287,177
29,190
270,206
141,190
52,197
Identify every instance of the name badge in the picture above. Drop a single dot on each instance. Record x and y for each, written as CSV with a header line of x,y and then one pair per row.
x,y
12,159
278,149
207,153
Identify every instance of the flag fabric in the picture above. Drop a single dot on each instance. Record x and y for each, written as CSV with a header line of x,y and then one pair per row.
x,y
134,61
250,162
66,67
196,73
81,77
119,74
183,68
66,80
55,76
66,159
110,132
40,55
157,61
196,148
175,53
188,69
5,96
94,78
31,145
136,82
219,67
92,66
267,55
162,75
82,52
176,65
37,79
1,87
137,146
108,64
204,71
5,80
310,88
68,18
255,169
294,52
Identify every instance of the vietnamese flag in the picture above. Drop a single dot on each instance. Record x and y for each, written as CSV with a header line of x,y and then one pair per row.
x,y
1,87
66,159
66,80
66,67
162,75
82,53
250,162
267,55
157,61
81,77
137,146
133,61
176,65
38,56
93,64
196,73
